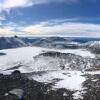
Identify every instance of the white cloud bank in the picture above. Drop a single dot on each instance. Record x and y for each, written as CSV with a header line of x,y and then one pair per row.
x,y
55,27
65,28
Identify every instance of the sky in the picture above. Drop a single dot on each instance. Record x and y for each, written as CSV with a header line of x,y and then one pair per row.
x,y
74,18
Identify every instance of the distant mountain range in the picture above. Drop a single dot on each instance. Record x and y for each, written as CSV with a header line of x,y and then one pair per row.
x,y
50,42
11,42
74,39
92,44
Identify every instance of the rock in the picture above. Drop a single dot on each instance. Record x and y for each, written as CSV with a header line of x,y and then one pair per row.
x,y
16,73
22,89
2,54
1,74
64,61
18,92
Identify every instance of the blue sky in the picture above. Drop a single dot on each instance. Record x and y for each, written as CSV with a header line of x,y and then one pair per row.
x,y
50,17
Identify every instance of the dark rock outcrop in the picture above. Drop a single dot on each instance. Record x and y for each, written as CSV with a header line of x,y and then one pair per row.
x,y
21,88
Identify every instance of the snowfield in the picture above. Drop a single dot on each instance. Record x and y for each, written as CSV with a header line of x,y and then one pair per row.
x,y
18,56
24,56
66,79
71,80
22,59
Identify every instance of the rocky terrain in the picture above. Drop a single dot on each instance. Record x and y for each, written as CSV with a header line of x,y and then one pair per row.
x,y
18,87
66,61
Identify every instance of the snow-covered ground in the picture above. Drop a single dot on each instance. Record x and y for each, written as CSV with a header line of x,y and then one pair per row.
x,y
17,56
24,56
80,52
68,79
71,80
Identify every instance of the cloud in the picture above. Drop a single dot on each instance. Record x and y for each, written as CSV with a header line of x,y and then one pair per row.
x,y
64,28
50,1
8,31
54,27
2,18
6,5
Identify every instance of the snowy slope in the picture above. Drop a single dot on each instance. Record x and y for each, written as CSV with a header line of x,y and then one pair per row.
x,y
24,57
93,45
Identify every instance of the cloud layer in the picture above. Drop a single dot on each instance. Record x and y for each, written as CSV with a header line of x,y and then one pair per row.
x,y
65,28
54,27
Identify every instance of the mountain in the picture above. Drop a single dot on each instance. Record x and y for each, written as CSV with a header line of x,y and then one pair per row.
x,y
48,42
11,42
42,43
56,39
54,42
93,46
83,39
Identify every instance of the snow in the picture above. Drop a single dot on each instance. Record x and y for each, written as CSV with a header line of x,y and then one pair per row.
x,y
92,72
17,92
65,94
24,56
93,43
68,79
78,95
17,56
80,52
71,80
